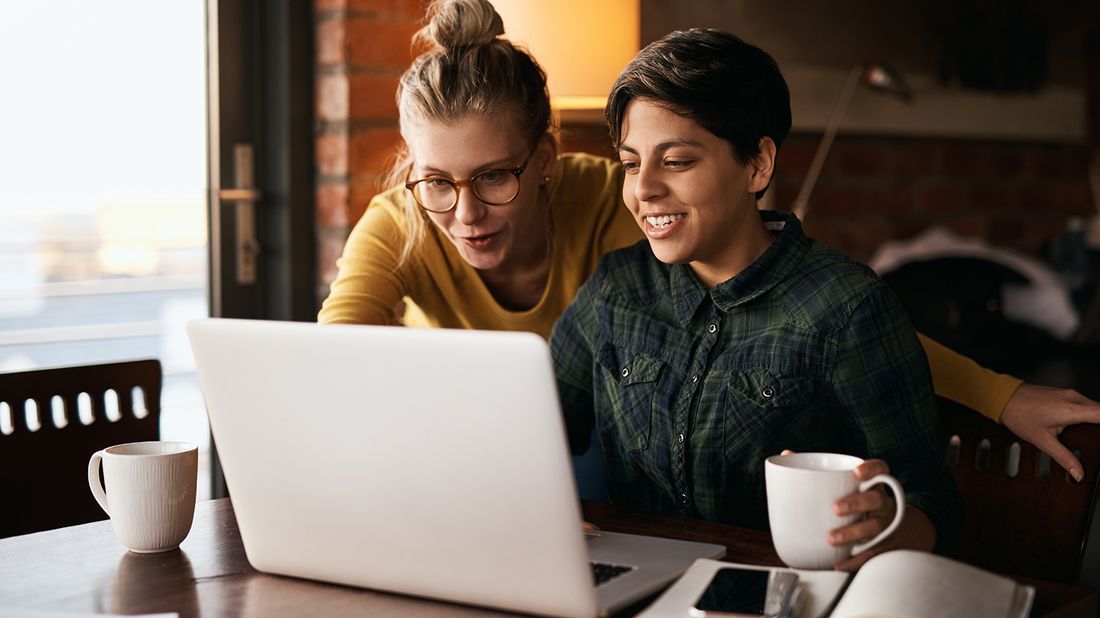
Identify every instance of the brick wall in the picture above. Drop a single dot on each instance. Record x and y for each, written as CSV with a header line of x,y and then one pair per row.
x,y
363,46
871,189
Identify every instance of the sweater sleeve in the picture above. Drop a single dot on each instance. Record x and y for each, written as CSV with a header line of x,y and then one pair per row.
x,y
964,381
369,285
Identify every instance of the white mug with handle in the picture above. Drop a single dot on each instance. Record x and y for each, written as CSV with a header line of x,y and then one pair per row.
x,y
801,490
148,492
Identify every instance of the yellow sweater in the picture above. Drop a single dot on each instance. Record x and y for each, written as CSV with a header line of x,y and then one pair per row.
x,y
441,290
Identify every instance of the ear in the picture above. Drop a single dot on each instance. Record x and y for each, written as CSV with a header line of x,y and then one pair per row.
x,y
763,165
548,155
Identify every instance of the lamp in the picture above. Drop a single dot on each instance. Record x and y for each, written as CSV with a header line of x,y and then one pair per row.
x,y
581,44
877,77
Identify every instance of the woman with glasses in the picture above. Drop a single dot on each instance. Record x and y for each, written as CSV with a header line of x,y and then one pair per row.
x,y
487,227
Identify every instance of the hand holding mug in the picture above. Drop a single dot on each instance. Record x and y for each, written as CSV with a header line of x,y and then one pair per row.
x,y
805,492
878,511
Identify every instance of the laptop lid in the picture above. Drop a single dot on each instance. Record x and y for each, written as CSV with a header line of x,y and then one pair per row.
x,y
426,462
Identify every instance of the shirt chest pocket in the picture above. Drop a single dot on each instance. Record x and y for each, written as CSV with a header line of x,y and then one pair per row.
x,y
630,386
761,408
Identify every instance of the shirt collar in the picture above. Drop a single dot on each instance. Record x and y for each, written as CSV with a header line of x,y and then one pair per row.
x,y
773,266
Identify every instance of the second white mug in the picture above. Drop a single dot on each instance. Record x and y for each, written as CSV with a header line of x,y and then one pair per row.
x,y
801,490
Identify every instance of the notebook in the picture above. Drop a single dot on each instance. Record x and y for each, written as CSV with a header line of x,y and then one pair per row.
x,y
425,462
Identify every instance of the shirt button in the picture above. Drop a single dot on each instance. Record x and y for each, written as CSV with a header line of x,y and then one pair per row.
x,y
683,499
694,379
626,372
680,438
712,329
768,392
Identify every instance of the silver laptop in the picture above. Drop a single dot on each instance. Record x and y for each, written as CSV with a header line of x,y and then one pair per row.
x,y
425,462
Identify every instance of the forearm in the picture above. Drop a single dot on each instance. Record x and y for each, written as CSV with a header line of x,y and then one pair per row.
x,y
351,301
371,281
964,381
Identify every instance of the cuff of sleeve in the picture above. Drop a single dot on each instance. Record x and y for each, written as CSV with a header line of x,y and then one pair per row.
x,y
1004,390
992,396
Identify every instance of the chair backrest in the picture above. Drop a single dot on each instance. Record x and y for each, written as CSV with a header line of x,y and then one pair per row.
x,y
1024,514
51,421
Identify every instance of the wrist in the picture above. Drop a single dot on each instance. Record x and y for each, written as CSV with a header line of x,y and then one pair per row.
x,y
916,531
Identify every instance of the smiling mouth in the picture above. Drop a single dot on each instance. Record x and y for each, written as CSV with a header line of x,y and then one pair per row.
x,y
481,241
663,221
481,236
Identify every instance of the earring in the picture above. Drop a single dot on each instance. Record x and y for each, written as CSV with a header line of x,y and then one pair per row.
x,y
545,180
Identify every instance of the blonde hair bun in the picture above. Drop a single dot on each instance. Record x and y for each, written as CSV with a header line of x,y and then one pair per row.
x,y
454,24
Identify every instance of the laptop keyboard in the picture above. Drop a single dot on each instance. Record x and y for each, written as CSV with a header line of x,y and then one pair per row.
x,y
603,572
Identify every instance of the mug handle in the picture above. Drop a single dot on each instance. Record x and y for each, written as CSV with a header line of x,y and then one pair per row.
x,y
95,485
899,498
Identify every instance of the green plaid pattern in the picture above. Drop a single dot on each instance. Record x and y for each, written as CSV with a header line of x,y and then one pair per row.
x,y
690,389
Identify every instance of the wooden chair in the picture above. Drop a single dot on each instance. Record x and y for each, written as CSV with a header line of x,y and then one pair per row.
x,y
51,421
1035,522
1030,519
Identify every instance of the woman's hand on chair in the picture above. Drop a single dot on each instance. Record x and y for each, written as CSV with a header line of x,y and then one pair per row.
x,y
1039,413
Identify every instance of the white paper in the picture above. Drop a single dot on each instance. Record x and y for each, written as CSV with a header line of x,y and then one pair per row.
x,y
916,584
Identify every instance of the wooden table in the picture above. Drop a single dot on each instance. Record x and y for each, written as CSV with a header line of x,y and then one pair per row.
x,y
84,569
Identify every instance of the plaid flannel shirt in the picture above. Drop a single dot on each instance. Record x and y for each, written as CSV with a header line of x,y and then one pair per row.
x,y
690,388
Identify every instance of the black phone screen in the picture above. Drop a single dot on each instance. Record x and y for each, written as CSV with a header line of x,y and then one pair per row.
x,y
735,591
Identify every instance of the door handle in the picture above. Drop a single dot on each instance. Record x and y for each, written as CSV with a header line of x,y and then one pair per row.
x,y
243,195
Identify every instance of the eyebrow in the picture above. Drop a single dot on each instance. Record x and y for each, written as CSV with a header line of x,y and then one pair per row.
x,y
663,146
502,163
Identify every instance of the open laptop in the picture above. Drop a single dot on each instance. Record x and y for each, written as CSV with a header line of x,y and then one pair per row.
x,y
426,462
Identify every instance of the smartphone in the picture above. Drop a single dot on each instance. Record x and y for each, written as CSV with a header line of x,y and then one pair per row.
x,y
738,592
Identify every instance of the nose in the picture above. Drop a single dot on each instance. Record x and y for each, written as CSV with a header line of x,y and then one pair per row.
x,y
469,210
647,184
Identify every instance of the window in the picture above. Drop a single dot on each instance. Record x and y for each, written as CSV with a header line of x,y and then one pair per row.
x,y
103,202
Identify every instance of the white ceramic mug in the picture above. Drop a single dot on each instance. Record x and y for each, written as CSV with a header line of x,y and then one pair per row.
x,y
148,490
802,488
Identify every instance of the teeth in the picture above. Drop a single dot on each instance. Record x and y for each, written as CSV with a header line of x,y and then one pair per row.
x,y
663,220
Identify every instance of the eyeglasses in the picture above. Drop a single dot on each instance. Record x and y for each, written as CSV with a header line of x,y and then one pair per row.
x,y
494,187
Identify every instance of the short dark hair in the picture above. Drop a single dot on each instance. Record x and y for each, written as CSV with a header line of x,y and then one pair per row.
x,y
729,87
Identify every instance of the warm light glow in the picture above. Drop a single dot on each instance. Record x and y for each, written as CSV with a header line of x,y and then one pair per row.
x,y
579,103
582,44
136,235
